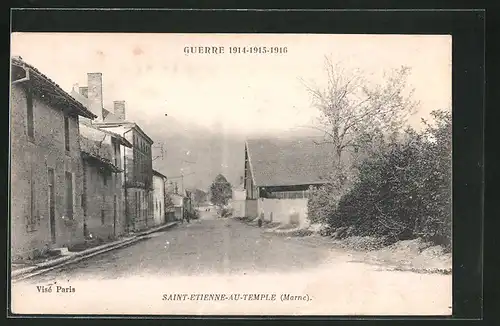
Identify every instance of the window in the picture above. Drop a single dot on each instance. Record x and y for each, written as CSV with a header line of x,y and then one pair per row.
x,y
115,203
288,194
116,150
137,204
102,209
104,177
66,133
51,193
29,111
69,194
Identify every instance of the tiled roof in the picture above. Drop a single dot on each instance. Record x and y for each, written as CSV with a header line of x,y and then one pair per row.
x,y
107,115
98,153
155,172
127,124
122,140
80,98
100,161
39,77
289,162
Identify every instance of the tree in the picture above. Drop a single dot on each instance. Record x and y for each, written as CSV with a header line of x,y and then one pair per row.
x,y
353,111
199,196
169,203
355,115
404,190
220,191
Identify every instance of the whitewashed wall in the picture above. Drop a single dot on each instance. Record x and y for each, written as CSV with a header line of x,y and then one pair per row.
x,y
283,210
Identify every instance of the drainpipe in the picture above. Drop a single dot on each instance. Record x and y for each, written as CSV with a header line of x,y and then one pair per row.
x,y
125,182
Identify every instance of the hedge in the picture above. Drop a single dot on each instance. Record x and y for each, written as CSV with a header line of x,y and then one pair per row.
x,y
402,190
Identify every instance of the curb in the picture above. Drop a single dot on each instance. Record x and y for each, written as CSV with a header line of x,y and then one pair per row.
x,y
157,229
31,271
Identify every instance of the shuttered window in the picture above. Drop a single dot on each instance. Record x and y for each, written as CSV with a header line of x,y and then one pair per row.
x,y
66,133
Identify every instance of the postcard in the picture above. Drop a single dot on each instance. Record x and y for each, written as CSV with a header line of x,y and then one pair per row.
x,y
230,174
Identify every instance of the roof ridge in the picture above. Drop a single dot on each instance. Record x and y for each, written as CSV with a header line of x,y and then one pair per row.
x,y
288,161
75,105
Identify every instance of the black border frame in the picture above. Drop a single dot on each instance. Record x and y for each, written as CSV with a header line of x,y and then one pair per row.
x,y
468,30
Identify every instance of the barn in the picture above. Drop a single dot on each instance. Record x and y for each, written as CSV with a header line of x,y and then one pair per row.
x,y
279,174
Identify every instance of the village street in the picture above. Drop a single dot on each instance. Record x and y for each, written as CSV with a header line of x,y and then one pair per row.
x,y
201,247
227,256
115,145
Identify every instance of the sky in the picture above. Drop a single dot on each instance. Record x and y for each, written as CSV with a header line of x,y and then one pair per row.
x,y
242,93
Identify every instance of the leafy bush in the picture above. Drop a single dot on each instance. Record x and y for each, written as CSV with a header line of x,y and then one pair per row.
x,y
324,200
194,215
403,190
225,212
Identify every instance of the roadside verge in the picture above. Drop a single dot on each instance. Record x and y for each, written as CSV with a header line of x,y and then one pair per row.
x,y
408,255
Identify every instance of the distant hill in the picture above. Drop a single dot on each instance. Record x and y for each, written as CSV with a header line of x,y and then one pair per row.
x,y
201,152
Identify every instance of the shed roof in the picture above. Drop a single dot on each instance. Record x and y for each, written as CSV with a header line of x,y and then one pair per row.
x,y
121,140
126,124
48,87
289,162
155,172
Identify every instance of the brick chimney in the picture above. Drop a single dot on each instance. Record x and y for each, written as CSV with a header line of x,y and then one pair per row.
x,y
119,108
94,93
84,91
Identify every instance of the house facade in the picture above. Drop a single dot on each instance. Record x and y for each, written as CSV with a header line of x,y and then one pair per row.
x,y
138,177
137,160
279,174
46,167
238,200
178,208
159,195
189,202
103,192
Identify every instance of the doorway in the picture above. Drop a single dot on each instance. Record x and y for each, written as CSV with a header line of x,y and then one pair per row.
x,y
52,218
114,214
69,195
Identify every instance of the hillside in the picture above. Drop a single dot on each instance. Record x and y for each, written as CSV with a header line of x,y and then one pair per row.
x,y
201,152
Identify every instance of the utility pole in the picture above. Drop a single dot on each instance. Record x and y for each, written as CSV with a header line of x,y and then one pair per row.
x,y
182,184
160,147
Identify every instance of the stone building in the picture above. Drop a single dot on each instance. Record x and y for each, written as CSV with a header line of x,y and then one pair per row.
x,y
104,199
159,195
137,160
46,169
138,173
279,173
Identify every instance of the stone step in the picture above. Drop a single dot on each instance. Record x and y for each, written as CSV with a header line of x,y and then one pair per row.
x,y
63,251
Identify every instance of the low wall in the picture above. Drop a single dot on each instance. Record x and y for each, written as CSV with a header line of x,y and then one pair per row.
x,y
238,207
284,211
251,208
